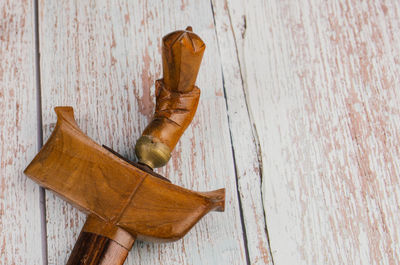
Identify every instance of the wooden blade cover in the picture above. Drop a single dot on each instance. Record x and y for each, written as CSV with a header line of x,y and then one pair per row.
x,y
99,182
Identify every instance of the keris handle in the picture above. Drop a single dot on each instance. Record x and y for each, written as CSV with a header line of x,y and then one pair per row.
x,y
177,97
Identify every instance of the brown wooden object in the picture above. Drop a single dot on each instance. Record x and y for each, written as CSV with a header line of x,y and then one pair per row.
x,y
126,200
96,249
177,97
94,245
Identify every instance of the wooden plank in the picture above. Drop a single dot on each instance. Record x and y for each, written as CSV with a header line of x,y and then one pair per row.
x,y
244,140
322,81
102,58
20,226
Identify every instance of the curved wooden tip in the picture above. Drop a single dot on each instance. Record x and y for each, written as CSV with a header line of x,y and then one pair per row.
x,y
217,197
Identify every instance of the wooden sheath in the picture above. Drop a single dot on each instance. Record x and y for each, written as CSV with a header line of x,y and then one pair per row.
x,y
93,249
101,242
102,184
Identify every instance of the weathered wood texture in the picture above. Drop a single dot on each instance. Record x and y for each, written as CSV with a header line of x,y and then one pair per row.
x,y
103,58
306,93
322,82
20,228
244,139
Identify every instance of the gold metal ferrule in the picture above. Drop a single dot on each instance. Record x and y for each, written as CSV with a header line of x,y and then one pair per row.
x,y
152,152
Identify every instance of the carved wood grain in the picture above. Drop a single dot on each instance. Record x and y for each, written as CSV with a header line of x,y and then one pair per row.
x,y
94,249
128,201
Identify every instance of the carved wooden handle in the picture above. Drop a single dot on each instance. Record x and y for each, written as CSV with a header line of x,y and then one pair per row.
x,y
177,97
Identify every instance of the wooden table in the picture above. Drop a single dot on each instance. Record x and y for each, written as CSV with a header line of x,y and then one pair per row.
x,y
299,119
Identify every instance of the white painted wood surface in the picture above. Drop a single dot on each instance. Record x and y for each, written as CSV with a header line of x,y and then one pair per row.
x,y
322,79
20,222
245,140
299,120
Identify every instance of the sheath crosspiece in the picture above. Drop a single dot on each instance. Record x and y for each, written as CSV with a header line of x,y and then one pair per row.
x,y
102,184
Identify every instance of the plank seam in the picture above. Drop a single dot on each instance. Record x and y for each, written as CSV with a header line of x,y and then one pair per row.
x,y
260,163
233,150
42,194
253,127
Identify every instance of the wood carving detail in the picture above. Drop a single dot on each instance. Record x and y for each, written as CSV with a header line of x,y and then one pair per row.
x,y
100,183
174,112
126,200
177,97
